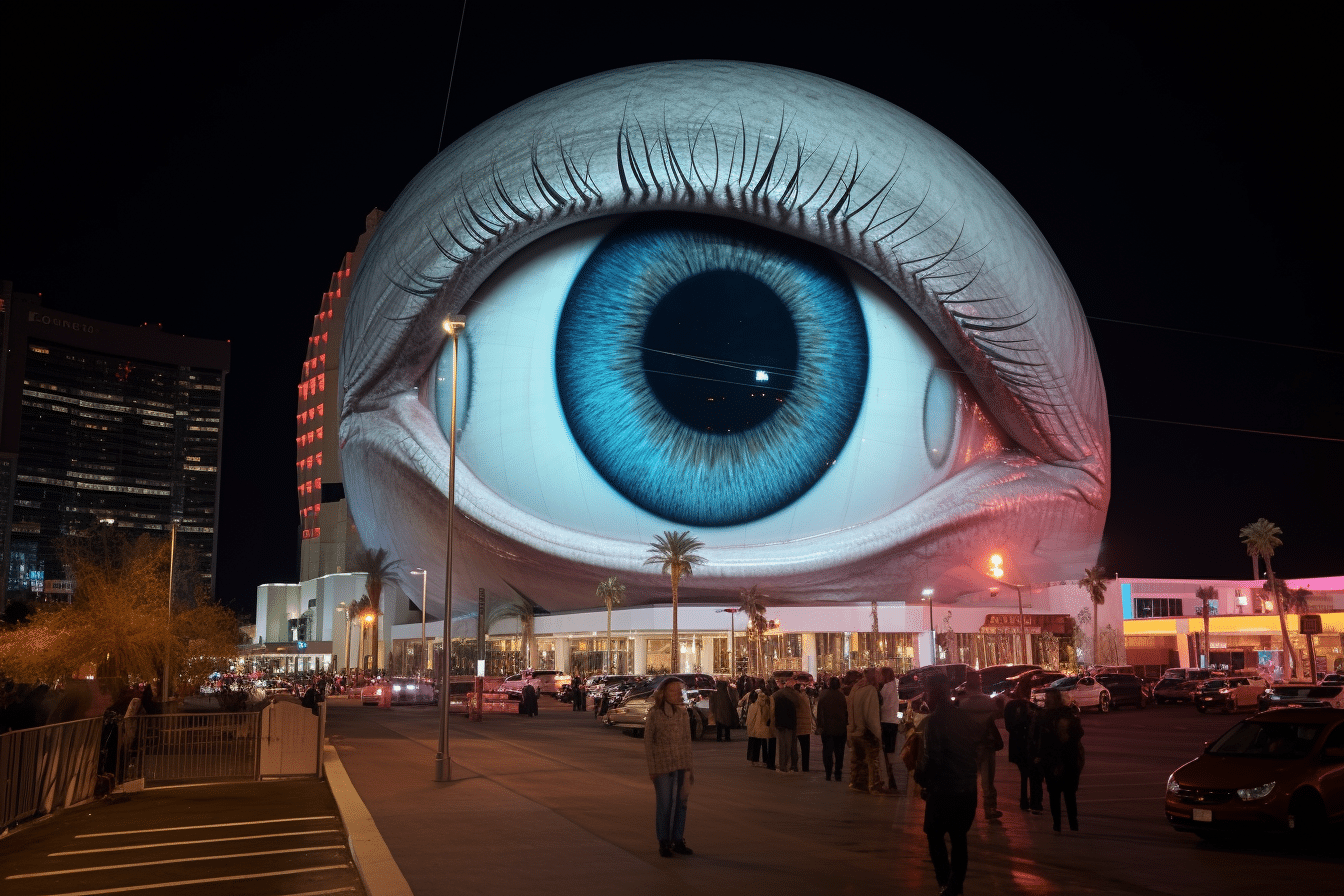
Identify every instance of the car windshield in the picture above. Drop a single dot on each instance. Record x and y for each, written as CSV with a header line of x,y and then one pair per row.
x,y
1064,683
1274,740
1213,685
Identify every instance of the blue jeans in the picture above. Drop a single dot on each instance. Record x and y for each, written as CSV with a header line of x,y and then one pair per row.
x,y
671,793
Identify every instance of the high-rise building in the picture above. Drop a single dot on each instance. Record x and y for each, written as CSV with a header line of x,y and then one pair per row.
x,y
103,423
327,534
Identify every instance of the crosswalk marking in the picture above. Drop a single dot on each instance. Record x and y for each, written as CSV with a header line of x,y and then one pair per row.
x,y
211,858
198,827
214,880
81,852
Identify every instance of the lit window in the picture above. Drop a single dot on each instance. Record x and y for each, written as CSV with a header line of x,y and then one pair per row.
x,y
317,531
319,432
319,458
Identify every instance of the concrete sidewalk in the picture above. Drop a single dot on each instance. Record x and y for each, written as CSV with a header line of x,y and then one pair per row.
x,y
559,804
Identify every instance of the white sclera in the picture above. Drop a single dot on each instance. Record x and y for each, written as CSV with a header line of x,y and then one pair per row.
x,y
519,445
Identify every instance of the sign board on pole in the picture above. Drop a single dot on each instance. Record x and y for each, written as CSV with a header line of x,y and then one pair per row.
x,y
1309,624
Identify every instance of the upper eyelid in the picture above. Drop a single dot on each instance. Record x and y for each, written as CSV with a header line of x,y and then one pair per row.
x,y
550,185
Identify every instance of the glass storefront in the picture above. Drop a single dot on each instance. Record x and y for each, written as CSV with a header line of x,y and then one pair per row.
x,y
838,652
596,656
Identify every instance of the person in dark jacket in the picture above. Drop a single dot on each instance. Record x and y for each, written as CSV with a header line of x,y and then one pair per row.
x,y
786,730
580,695
724,707
1018,715
947,770
1058,739
832,725
529,707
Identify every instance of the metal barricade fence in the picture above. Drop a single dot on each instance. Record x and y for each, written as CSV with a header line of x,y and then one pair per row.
x,y
190,747
47,768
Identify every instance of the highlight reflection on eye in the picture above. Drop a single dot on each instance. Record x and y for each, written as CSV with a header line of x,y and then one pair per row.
x,y
849,362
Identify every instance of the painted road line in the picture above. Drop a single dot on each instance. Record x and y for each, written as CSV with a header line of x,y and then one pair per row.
x,y
209,880
198,827
236,855
82,852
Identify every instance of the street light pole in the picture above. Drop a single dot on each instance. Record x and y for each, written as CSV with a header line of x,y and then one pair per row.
x,y
732,637
443,765
996,573
933,637
168,643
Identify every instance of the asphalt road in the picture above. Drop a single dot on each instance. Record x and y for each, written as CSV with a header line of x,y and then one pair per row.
x,y
560,803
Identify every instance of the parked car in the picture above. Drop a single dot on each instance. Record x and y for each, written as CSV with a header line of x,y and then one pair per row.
x,y
1282,769
1126,689
998,680
1299,694
1036,678
913,683
1178,685
1229,694
629,714
1078,691
547,682
405,692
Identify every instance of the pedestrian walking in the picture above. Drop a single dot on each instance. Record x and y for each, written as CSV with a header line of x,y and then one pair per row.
x,y
724,707
947,771
1059,752
805,725
761,729
832,727
865,735
985,712
529,705
786,729
889,696
667,747
1019,716
579,694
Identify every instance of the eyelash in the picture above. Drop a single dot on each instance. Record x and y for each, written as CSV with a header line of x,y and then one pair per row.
x,y
1017,363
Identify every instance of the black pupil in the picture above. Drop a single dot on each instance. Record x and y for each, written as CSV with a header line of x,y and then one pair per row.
x,y
720,352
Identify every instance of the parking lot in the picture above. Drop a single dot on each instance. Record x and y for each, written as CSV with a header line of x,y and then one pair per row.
x,y
264,839
562,785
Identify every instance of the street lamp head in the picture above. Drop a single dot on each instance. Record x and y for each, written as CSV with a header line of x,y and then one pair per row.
x,y
368,617
927,592
453,324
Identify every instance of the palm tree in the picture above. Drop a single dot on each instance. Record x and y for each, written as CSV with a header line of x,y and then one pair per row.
x,y
675,552
1094,583
610,591
1261,538
379,570
356,611
1204,595
753,604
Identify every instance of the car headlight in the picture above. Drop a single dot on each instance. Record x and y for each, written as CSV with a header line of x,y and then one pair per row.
x,y
1172,786
1255,793
1224,691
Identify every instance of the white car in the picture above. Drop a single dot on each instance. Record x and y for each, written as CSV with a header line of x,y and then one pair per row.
x,y
1078,691
546,682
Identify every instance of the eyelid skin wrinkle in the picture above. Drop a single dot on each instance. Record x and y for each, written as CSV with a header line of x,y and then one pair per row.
x,y
782,150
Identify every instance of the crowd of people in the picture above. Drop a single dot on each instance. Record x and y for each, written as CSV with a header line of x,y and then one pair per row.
x,y
947,747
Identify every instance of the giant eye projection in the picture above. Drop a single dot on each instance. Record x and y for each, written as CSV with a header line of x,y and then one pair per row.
x,y
741,300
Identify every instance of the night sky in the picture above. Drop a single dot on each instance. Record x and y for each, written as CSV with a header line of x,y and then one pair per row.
x,y
207,171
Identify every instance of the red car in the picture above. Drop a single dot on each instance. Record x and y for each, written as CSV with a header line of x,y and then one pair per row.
x,y
1282,769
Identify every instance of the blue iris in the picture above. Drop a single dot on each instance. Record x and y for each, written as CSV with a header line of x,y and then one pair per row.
x,y
671,313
